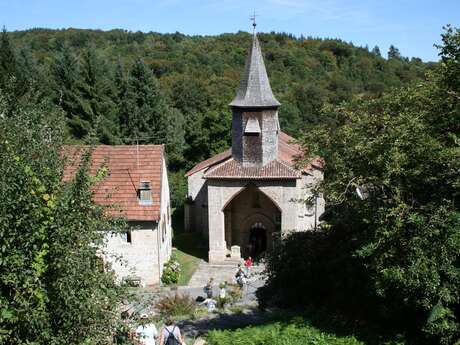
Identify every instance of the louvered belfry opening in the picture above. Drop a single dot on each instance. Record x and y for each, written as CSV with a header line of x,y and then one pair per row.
x,y
255,114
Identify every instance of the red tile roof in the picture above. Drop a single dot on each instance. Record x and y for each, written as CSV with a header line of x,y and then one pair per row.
x,y
284,167
210,161
126,165
231,169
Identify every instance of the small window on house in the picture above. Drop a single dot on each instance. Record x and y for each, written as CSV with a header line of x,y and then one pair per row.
x,y
163,231
169,214
126,237
145,193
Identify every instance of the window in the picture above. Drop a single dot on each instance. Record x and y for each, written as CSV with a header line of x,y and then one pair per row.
x,y
163,231
169,214
126,237
145,193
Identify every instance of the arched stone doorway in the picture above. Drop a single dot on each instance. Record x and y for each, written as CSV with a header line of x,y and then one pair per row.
x,y
257,240
251,221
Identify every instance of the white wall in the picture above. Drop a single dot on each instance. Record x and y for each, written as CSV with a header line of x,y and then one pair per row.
x,y
138,258
165,220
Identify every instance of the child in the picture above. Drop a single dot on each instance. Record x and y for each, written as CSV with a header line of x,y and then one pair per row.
x,y
248,264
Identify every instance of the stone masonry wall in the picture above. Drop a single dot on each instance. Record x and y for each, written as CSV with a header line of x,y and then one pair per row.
x,y
138,258
197,211
221,192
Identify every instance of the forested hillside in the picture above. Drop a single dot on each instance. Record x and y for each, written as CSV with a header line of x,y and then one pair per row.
x,y
119,86
175,89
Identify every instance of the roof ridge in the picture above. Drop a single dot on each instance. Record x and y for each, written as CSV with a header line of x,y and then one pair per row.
x,y
219,164
288,166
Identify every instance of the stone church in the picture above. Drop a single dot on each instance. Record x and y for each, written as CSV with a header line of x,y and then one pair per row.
x,y
245,198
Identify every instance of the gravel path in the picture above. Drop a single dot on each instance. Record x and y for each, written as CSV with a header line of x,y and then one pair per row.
x,y
147,298
222,321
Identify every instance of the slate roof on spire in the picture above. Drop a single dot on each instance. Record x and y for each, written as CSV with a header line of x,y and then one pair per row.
x,y
255,90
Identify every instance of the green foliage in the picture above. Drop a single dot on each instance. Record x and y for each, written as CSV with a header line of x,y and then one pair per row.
x,y
51,288
178,191
176,305
174,89
294,332
401,243
171,272
235,293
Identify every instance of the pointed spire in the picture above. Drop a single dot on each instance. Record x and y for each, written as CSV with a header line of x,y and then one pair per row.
x,y
255,90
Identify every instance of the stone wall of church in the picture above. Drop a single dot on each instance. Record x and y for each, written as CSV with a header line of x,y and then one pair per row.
x,y
247,208
283,193
309,213
270,129
196,207
210,197
255,149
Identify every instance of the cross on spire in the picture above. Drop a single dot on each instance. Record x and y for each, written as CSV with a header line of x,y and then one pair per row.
x,y
253,19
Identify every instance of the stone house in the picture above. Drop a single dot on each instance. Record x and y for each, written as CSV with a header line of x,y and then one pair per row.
x,y
136,185
245,198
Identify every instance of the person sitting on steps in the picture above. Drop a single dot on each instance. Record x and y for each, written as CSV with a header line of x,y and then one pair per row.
x,y
208,288
240,276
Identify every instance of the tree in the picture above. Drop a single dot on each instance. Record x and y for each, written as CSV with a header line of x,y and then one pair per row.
x,y
96,94
65,70
144,115
401,233
8,64
393,53
51,288
376,51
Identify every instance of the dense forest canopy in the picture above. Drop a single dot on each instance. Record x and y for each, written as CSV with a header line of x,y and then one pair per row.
x,y
175,89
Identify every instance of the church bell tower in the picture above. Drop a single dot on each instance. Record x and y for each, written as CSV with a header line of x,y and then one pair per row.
x,y
255,123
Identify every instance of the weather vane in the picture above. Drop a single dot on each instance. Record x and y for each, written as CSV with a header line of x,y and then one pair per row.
x,y
253,19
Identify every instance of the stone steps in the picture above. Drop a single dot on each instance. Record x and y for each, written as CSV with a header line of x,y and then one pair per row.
x,y
220,273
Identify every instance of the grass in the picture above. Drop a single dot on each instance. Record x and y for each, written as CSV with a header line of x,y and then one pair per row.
x,y
188,265
294,332
310,327
189,249
191,243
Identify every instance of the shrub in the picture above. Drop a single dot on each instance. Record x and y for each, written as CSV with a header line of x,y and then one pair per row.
x,y
234,293
176,305
289,333
171,272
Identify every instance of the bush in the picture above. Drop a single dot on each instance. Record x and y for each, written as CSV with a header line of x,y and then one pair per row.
x,y
316,268
234,293
171,272
294,332
176,305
